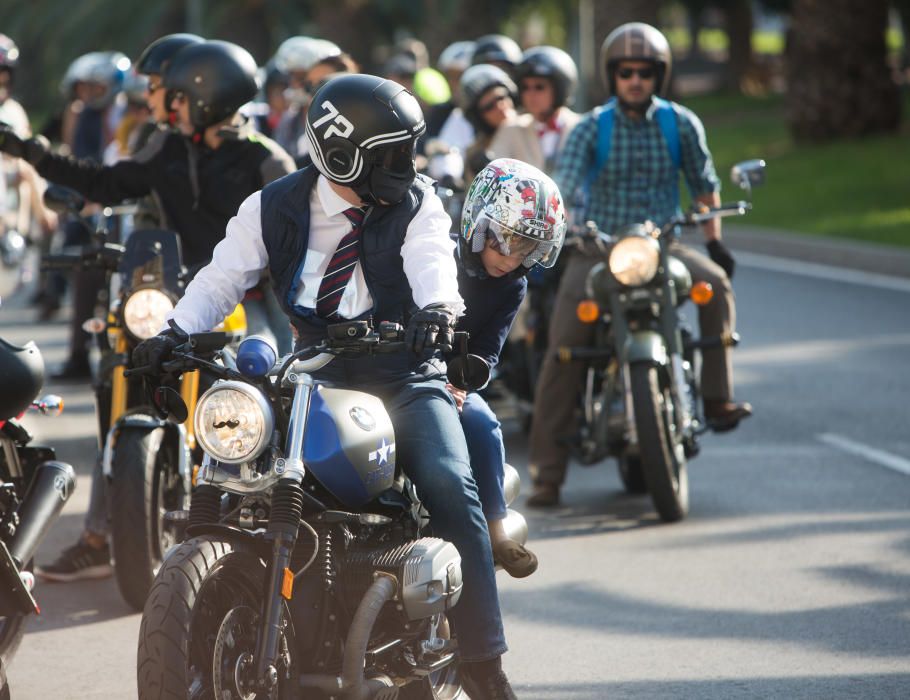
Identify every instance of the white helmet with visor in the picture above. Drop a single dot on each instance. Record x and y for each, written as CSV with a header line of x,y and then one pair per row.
x,y
519,209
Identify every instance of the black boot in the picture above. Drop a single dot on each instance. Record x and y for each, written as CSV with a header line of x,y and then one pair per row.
x,y
485,680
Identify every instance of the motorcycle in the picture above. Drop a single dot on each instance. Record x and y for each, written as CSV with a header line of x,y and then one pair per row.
x,y
641,397
309,570
148,461
34,489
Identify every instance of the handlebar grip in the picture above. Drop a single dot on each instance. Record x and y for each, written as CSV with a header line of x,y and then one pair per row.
x,y
61,262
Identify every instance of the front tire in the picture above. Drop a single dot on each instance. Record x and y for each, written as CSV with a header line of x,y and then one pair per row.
x,y
663,459
145,486
200,583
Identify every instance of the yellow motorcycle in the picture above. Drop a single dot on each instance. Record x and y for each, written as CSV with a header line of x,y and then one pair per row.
x,y
149,462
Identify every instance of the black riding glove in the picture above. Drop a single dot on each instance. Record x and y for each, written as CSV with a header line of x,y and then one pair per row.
x,y
32,150
154,351
433,327
720,254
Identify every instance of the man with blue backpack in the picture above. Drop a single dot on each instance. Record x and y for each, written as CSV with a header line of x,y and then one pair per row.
x,y
626,157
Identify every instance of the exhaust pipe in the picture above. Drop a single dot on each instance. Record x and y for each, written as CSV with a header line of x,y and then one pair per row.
x,y
51,487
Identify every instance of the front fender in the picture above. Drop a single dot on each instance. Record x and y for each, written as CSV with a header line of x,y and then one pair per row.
x,y
173,432
645,346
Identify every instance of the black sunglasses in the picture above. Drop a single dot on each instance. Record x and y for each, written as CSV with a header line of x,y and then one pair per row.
x,y
643,73
489,106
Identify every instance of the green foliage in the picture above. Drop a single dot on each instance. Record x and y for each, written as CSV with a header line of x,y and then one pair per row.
x,y
851,189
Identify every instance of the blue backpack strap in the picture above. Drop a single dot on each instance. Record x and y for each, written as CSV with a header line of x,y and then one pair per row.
x,y
604,137
666,120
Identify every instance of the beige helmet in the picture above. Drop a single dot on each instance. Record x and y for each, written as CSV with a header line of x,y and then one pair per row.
x,y
636,41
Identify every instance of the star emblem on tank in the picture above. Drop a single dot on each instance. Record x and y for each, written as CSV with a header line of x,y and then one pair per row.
x,y
383,452
362,418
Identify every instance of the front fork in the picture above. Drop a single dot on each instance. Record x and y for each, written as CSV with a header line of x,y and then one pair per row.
x,y
284,521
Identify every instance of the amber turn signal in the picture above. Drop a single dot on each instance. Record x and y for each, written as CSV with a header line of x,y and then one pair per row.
x,y
702,293
587,311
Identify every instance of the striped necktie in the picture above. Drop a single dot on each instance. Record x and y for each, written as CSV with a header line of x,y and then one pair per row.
x,y
341,268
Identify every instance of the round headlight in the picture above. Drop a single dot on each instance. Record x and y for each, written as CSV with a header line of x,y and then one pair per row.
x,y
233,422
144,312
634,260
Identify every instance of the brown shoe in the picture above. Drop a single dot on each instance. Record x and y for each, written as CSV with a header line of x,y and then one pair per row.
x,y
722,415
515,558
544,496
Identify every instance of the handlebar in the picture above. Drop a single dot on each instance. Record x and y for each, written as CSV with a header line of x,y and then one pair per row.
x,y
106,256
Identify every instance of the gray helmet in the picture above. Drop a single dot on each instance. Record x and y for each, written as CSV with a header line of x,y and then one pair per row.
x,y
107,68
217,77
300,53
475,81
636,41
553,63
496,48
456,56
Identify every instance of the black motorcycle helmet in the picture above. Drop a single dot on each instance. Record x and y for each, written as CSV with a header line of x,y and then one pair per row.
x,y
554,64
362,131
475,81
496,48
22,370
217,77
158,54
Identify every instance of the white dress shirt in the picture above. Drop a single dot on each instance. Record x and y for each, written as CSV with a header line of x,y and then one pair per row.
x,y
239,259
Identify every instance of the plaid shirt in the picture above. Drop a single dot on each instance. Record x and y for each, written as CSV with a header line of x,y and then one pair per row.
x,y
638,181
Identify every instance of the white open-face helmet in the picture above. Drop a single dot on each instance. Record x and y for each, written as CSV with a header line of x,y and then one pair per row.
x,y
517,207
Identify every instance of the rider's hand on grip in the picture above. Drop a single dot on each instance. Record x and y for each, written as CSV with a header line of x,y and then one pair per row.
x,y
431,328
151,353
720,254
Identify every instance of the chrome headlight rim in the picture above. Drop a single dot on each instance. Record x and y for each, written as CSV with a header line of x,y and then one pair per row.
x,y
638,272
144,294
266,414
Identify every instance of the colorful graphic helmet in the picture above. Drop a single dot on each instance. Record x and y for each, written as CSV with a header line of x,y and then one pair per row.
x,y
520,208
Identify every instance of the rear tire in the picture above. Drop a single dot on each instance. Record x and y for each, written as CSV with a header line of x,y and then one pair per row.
x,y
663,459
144,472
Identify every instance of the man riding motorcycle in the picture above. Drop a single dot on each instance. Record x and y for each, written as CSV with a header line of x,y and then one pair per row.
x,y
358,234
651,142
200,178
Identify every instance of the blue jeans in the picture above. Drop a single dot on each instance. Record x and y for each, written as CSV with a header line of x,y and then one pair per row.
x,y
484,437
431,448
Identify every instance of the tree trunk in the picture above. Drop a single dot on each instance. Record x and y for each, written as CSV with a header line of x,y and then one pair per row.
x,y
839,83
738,16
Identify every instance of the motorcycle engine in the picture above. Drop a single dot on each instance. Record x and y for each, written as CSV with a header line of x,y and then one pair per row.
x,y
428,571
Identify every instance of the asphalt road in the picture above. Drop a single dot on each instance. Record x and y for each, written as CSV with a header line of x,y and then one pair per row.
x,y
790,578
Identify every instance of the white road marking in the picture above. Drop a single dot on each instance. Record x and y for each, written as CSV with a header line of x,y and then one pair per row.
x,y
825,272
872,454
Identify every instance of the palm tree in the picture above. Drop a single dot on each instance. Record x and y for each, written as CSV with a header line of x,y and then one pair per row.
x,y
840,83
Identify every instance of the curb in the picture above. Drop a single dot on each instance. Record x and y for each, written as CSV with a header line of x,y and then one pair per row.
x,y
867,257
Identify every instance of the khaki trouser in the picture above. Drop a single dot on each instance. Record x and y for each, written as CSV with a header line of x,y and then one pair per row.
x,y
559,385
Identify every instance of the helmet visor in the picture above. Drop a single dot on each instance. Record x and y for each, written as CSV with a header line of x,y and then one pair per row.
x,y
396,159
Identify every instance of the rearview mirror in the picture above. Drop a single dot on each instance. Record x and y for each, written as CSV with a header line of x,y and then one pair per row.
x,y
63,200
171,405
748,173
468,372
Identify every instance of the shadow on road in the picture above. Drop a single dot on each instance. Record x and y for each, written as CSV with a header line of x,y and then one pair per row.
x,y
870,628
796,688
